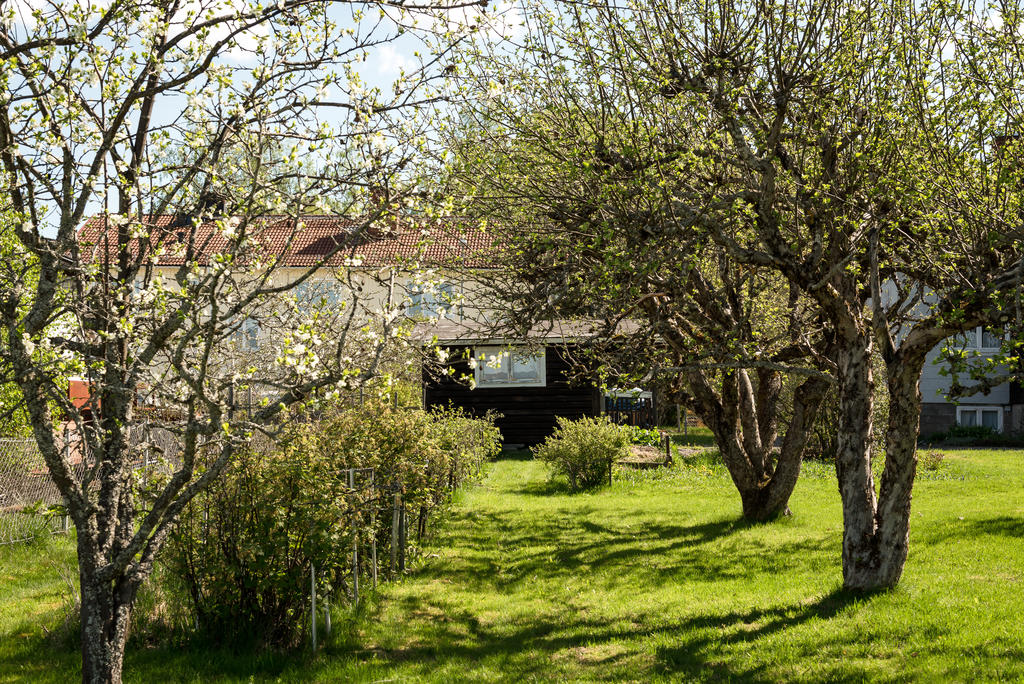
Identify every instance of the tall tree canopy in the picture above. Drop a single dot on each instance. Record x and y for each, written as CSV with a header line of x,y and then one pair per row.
x,y
864,153
143,144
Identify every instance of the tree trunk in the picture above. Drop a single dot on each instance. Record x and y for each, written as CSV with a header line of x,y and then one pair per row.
x,y
105,610
806,402
853,464
765,502
764,485
876,533
893,515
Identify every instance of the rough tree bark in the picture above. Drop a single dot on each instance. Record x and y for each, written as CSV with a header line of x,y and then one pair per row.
x,y
105,612
745,430
893,514
853,461
876,529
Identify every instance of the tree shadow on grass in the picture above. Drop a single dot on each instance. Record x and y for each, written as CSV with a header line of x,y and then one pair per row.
x,y
1000,526
549,487
31,656
1003,526
503,552
444,634
532,649
555,487
514,455
709,634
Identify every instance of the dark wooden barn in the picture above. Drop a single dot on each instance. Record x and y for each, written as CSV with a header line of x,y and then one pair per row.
x,y
529,388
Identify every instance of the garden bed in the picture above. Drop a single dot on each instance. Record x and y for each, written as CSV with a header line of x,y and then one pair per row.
x,y
645,457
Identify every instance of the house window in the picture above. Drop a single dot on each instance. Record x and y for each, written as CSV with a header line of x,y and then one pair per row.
x,y
504,367
989,339
310,294
247,335
986,416
430,301
981,339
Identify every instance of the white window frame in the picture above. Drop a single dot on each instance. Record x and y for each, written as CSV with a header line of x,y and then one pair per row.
x,y
976,339
483,354
976,410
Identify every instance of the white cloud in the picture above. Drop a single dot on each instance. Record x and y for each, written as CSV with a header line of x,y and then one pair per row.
x,y
391,61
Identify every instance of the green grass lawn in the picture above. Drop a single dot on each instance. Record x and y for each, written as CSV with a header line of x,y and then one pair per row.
x,y
652,579
695,436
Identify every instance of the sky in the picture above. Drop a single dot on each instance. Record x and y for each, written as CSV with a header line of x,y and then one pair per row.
x,y
385,63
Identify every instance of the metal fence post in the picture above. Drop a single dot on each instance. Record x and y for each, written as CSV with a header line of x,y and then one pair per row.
x,y
66,524
396,521
147,435
403,534
327,616
312,598
355,538
373,525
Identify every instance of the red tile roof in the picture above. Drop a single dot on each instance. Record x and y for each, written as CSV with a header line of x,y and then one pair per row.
x,y
306,242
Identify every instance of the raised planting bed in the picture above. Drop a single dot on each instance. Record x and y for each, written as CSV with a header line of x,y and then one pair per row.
x,y
646,457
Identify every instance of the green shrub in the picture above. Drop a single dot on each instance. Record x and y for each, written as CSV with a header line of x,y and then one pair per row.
x,y
583,450
970,432
973,435
641,436
244,548
929,460
161,613
466,441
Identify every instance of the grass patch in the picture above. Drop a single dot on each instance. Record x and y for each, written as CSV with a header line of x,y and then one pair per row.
x,y
36,583
694,437
652,579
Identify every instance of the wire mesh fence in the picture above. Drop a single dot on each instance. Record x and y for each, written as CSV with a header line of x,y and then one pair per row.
x,y
154,446
30,503
361,501
28,497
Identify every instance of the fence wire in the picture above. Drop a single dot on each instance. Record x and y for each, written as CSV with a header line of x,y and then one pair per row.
x,y
31,505
26,493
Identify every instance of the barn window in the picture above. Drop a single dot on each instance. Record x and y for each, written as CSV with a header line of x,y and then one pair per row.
x,y
504,367
981,339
